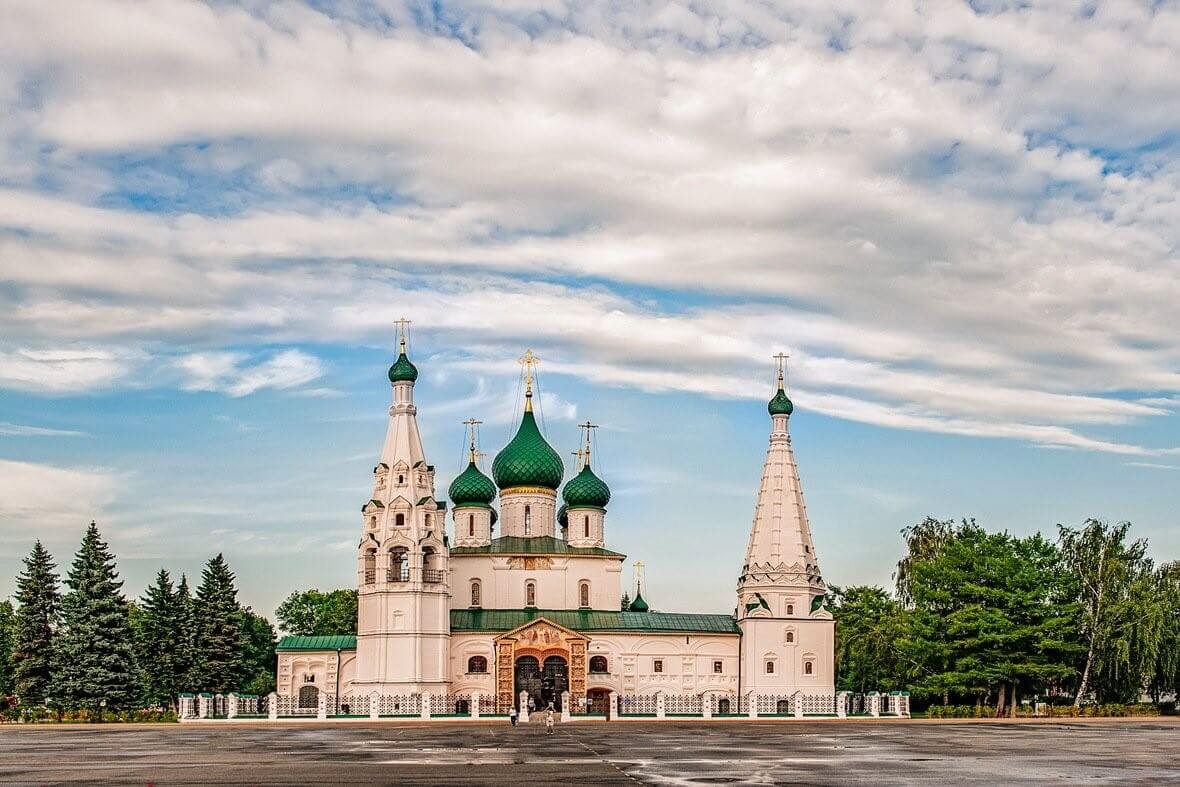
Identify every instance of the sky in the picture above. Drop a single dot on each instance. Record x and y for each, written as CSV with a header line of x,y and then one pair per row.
x,y
960,219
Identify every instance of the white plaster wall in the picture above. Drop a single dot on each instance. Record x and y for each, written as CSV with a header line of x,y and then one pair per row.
x,y
557,577
463,647
687,663
764,639
579,518
542,512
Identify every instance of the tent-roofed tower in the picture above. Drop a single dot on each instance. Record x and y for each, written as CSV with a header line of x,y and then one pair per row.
x,y
788,636
403,629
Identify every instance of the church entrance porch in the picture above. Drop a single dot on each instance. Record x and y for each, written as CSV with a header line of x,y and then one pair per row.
x,y
543,659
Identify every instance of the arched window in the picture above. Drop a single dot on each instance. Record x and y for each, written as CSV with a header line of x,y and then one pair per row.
x,y
399,520
475,595
598,664
370,566
430,569
790,637
790,609
372,521
584,594
808,668
782,707
530,594
770,668
401,479
477,664
528,520
471,524
399,565
428,520
586,526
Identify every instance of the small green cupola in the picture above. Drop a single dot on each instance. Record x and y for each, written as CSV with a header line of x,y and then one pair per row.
x,y
586,490
402,370
637,603
780,403
472,488
528,460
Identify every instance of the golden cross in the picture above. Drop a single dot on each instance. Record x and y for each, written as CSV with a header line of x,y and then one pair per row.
x,y
471,424
587,426
402,325
781,360
528,361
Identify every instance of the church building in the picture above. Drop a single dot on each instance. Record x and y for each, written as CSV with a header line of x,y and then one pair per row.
x,y
517,590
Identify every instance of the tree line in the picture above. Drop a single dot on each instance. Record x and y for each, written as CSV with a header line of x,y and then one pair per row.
x,y
988,619
91,649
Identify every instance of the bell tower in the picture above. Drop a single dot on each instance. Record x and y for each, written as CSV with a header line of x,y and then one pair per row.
x,y
788,637
403,577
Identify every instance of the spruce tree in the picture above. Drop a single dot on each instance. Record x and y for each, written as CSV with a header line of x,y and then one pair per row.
x,y
95,653
157,641
7,629
186,637
35,627
220,640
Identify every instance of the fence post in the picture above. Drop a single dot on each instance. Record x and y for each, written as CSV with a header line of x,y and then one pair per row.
x,y
661,705
707,706
798,704
874,704
374,706
752,705
272,706
203,705
841,704
231,705
321,707
565,707
903,705
186,707
474,709
612,708
424,711
524,707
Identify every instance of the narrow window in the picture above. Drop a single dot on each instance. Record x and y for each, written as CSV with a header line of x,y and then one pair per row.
x,y
657,665
584,594
530,594
528,521
372,521
790,637
770,668
807,668
477,664
399,520
586,526
401,479
790,609
598,664
471,524
428,520
475,599
370,567
717,667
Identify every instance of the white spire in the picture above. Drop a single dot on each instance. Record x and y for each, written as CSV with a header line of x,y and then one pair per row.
x,y
781,554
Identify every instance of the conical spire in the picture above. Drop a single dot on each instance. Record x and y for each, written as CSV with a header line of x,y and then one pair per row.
x,y
781,554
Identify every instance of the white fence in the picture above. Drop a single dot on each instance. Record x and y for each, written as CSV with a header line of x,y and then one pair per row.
x,y
474,705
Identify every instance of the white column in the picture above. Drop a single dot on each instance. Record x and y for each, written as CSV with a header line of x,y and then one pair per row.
x,y
565,707
321,708
752,705
374,706
614,705
425,711
903,708
874,704
707,706
272,706
203,706
797,701
842,704
186,708
524,707
475,695
660,705
231,708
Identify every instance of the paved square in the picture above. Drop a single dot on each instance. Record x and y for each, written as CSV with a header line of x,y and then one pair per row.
x,y
681,753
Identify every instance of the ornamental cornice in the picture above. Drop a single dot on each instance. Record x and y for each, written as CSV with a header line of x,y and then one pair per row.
x,y
528,490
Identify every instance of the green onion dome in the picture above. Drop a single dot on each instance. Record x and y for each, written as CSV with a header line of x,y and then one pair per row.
x,y
563,515
638,604
471,487
586,490
528,460
780,404
402,370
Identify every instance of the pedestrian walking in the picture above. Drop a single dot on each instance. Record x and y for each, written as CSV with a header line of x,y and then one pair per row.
x,y
549,719
532,705
512,715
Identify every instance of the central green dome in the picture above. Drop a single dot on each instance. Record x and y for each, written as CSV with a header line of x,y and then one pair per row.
x,y
586,490
528,460
471,487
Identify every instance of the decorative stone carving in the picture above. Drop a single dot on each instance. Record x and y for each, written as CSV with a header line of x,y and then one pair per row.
x,y
529,563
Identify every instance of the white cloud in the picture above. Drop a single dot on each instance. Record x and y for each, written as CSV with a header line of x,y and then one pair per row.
x,y
232,374
23,430
63,371
38,499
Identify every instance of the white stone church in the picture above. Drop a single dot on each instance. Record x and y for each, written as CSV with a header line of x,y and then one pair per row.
x,y
518,592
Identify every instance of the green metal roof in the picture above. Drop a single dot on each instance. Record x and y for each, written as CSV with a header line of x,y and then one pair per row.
x,y
472,487
538,545
586,490
593,620
329,642
528,460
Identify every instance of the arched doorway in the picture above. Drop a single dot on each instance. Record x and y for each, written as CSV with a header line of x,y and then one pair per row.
x,y
528,678
598,701
544,682
309,697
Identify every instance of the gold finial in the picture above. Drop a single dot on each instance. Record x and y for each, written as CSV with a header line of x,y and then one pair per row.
x,y
781,360
585,450
471,425
528,361
639,577
402,326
